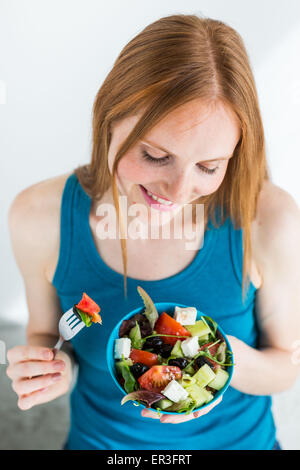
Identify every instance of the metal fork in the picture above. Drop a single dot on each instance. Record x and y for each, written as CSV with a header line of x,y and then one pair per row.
x,y
69,325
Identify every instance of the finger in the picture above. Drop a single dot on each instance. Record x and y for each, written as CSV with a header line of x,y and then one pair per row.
x,y
25,353
38,397
172,419
207,409
33,369
42,396
149,414
27,386
26,402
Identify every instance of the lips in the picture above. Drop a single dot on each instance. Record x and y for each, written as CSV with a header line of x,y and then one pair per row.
x,y
155,203
157,195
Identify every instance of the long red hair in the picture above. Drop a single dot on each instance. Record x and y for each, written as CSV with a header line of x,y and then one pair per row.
x,y
175,60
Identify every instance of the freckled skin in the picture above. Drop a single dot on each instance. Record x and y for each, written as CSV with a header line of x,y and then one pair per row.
x,y
194,133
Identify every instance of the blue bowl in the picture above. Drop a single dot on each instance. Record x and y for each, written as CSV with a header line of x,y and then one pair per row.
x,y
167,307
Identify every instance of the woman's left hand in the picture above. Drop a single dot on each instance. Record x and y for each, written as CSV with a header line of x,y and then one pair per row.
x,y
239,350
173,419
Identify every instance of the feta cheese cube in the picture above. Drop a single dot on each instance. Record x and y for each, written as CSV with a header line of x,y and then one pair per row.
x,y
185,316
122,346
190,346
174,391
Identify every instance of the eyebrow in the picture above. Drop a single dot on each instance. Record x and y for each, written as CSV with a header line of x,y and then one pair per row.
x,y
152,144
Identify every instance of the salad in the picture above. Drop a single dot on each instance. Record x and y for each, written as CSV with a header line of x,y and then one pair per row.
x,y
87,310
171,363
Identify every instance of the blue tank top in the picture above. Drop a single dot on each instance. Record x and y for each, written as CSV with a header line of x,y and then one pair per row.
x,y
212,282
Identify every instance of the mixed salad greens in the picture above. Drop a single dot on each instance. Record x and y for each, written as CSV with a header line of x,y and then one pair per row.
x,y
87,310
167,364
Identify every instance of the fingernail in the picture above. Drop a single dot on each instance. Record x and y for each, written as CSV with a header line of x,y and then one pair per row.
x,y
56,377
47,355
59,365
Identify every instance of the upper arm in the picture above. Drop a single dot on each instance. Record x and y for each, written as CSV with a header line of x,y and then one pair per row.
x,y
278,249
34,232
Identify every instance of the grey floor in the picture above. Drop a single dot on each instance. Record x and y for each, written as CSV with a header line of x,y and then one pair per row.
x,y
43,427
46,426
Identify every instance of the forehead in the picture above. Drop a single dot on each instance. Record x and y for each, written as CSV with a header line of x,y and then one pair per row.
x,y
198,130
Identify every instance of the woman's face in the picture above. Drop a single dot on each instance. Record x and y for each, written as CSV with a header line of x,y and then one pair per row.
x,y
190,149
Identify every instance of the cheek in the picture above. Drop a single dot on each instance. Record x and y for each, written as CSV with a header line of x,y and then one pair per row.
x,y
134,171
210,184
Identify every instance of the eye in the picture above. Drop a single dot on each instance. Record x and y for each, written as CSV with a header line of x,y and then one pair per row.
x,y
156,161
164,160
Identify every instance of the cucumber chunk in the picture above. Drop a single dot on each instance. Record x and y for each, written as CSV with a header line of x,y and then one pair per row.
x,y
220,379
177,351
203,340
198,329
204,376
186,380
209,395
181,406
119,365
198,394
163,403
190,370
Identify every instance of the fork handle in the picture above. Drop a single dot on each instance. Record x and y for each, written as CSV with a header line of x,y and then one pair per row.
x,y
58,345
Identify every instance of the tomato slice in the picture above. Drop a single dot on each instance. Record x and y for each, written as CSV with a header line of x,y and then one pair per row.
x,y
168,326
145,357
90,307
158,377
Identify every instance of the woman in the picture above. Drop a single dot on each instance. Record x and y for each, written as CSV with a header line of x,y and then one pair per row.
x,y
177,116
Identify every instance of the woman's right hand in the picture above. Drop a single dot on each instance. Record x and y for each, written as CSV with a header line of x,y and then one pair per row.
x,y
36,376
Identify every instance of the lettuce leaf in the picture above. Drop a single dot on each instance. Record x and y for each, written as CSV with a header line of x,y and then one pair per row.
x,y
145,396
85,317
136,337
150,309
143,323
214,328
130,383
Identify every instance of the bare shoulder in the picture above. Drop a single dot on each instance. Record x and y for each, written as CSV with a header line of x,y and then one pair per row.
x,y
34,224
277,222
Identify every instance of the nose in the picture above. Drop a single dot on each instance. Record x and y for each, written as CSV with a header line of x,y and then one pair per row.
x,y
180,187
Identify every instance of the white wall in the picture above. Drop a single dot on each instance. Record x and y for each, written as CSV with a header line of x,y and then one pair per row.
x,y
54,55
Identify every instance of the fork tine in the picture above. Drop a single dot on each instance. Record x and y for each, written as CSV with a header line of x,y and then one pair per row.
x,y
73,320
75,323
69,314
78,327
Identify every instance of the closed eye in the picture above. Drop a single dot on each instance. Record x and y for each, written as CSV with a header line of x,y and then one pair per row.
x,y
164,160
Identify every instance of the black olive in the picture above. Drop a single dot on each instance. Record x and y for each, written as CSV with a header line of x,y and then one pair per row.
x,y
164,350
138,369
180,362
201,360
153,343
76,312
